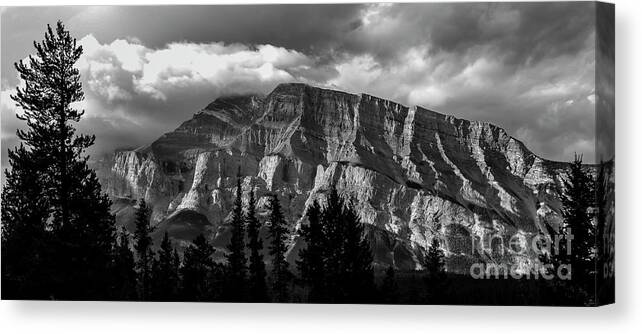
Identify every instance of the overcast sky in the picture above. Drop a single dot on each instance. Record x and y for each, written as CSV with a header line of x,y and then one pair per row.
x,y
526,67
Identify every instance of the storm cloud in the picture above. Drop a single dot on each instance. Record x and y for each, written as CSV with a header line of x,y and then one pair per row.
x,y
528,67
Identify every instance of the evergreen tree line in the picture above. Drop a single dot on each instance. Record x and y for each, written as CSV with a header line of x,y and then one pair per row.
x,y
164,276
335,266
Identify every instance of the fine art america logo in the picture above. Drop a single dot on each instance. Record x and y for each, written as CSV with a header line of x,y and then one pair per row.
x,y
517,245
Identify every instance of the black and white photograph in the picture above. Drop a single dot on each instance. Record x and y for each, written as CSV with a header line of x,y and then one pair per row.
x,y
441,153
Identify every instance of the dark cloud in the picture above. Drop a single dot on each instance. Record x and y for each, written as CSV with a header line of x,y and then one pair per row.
x,y
528,67
306,28
518,32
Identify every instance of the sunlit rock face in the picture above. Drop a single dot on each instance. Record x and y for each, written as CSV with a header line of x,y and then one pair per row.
x,y
412,174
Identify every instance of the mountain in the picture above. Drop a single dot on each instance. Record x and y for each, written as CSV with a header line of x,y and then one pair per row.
x,y
412,173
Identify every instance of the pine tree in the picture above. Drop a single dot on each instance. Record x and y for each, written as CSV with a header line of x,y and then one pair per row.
x,y
258,287
143,246
124,279
389,287
347,253
577,202
79,229
281,275
165,279
435,271
357,259
333,258
310,263
434,261
197,270
236,261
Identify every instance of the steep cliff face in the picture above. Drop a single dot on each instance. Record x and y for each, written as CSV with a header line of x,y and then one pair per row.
x,y
413,174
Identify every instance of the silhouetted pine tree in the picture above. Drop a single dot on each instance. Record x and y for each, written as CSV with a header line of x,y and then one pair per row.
x,y
123,267
358,278
347,255
577,202
333,259
258,287
435,271
389,287
165,279
236,262
434,262
79,232
310,263
281,275
197,270
143,246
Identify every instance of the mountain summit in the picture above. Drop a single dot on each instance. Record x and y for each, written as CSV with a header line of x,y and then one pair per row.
x,y
412,174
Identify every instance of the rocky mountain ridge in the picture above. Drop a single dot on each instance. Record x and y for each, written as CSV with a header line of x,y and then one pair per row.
x,y
412,173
